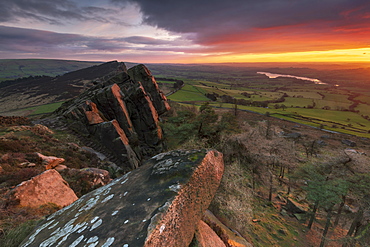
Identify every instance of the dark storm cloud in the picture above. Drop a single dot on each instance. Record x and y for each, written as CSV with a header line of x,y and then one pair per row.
x,y
36,41
53,12
211,20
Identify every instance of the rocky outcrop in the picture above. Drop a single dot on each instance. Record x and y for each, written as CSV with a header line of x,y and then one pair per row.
x,y
48,187
159,204
121,115
142,74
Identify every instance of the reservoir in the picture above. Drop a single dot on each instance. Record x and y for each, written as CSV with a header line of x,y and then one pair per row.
x,y
272,75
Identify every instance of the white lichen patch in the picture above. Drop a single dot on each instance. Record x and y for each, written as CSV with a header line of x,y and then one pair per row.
x,y
108,198
114,213
82,229
109,242
160,156
94,220
92,239
63,233
161,229
124,181
106,191
90,203
96,224
93,244
175,187
77,241
52,226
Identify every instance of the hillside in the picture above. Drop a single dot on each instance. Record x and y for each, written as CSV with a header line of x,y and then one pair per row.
x,y
17,96
11,69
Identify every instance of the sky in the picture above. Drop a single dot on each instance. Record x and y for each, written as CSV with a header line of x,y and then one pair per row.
x,y
186,31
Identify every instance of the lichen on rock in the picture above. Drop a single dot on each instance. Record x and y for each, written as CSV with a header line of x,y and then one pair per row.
x,y
141,208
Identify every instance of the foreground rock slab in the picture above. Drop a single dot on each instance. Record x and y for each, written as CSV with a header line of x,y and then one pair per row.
x,y
158,204
48,187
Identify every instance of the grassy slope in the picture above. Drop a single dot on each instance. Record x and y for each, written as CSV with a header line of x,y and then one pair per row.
x,y
15,68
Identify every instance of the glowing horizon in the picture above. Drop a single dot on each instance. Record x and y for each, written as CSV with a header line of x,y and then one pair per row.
x,y
215,31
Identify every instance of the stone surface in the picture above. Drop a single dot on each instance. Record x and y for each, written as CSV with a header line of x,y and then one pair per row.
x,y
230,238
349,143
206,237
121,115
48,187
158,204
60,168
50,161
294,207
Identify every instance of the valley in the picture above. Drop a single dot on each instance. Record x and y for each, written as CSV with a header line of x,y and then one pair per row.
x,y
338,103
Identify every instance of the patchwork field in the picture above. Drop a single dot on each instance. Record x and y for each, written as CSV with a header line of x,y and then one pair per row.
x,y
342,108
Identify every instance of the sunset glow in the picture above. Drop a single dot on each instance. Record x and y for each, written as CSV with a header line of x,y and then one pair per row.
x,y
187,32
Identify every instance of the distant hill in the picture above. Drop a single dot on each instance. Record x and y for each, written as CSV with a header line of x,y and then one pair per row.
x,y
25,92
17,68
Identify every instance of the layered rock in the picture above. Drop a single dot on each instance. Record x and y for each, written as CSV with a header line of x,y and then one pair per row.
x,y
48,187
159,204
121,115
206,237
229,237
142,74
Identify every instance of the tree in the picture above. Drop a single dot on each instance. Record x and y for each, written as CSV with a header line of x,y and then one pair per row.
x,y
206,121
322,190
360,188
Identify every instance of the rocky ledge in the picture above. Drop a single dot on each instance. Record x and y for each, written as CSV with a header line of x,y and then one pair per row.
x,y
120,116
159,204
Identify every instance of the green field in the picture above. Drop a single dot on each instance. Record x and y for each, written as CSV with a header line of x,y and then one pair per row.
x,y
321,106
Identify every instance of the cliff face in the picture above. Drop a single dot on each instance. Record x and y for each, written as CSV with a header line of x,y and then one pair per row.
x,y
121,115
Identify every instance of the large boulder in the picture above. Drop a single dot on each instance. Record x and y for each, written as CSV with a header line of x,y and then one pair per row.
x,y
158,204
48,187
